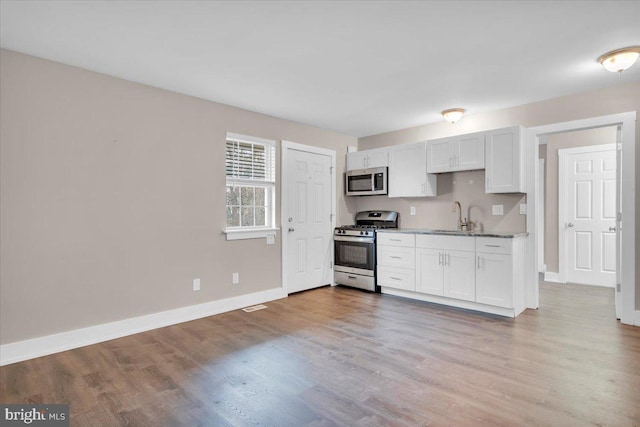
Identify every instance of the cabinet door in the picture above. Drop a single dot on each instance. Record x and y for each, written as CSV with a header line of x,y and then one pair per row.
x,y
439,155
356,160
503,160
468,152
494,283
377,157
460,275
408,171
429,271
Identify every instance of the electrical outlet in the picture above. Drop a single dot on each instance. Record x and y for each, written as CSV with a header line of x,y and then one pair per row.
x,y
523,208
271,239
497,209
412,210
196,285
235,279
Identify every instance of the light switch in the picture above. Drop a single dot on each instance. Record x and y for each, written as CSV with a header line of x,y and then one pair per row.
x,y
497,209
523,208
271,239
412,210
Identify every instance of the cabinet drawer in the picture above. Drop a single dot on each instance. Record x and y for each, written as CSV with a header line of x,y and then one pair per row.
x,y
493,245
396,239
394,256
449,243
397,278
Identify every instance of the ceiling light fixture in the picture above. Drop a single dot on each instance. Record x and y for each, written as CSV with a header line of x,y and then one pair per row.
x,y
620,59
452,115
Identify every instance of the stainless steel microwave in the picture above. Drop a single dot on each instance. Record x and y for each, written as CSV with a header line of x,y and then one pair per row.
x,y
366,182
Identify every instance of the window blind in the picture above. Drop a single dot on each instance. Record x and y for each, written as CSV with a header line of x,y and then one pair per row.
x,y
250,161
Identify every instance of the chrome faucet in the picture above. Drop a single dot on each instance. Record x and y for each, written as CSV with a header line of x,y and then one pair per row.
x,y
453,209
462,225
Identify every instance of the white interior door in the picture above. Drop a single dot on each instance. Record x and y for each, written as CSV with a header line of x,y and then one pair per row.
x,y
307,219
589,221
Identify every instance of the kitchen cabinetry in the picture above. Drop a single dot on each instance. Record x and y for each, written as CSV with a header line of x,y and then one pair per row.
x,y
498,271
504,161
473,272
459,153
396,261
452,272
408,175
374,158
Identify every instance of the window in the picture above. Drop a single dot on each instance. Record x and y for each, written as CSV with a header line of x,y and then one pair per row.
x,y
251,179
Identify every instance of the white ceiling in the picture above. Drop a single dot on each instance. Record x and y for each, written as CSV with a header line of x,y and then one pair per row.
x,y
359,68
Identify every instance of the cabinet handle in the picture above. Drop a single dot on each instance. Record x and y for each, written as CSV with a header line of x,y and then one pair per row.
x,y
395,257
395,240
352,277
478,262
424,188
394,278
493,246
450,161
439,258
446,259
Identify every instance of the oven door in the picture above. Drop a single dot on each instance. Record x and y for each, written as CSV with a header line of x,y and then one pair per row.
x,y
355,255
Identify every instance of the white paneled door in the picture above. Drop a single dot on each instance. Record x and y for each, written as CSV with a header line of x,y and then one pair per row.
x,y
589,214
307,219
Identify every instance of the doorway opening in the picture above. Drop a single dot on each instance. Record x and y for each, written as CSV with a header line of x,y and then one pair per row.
x,y
577,206
624,210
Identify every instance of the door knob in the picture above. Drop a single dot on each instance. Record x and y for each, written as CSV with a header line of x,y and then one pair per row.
x,y
291,229
570,225
612,229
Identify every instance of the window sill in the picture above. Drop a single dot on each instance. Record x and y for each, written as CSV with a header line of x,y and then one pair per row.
x,y
249,233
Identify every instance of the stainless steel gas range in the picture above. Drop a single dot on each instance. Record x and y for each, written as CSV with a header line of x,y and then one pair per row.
x,y
355,249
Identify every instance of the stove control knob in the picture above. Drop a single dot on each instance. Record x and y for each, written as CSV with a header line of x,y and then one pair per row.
x,y
362,233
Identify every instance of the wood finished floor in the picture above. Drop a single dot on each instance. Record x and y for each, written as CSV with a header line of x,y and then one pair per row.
x,y
336,356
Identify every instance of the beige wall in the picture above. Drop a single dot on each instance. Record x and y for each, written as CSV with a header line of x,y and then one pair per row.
x,y
612,100
113,198
465,187
554,143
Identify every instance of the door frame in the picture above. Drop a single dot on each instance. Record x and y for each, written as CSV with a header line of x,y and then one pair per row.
x,y
542,267
627,125
562,200
285,146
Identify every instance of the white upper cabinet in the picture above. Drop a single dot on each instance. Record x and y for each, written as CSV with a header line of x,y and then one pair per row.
x,y
504,159
408,171
459,153
374,158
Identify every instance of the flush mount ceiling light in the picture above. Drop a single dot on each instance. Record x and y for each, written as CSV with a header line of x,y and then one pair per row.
x,y
452,115
620,59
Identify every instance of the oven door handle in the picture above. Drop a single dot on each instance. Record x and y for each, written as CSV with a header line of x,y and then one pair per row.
x,y
353,239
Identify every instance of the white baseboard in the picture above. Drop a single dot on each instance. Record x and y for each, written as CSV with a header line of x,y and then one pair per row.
x,y
550,276
42,346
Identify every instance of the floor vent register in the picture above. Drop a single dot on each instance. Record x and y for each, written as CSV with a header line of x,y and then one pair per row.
x,y
254,308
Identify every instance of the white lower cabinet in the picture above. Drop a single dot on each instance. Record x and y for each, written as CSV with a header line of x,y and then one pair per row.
x,y
396,256
443,270
500,272
493,284
479,273
429,271
460,275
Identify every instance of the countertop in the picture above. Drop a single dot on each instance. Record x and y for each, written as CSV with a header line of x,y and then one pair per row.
x,y
504,235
